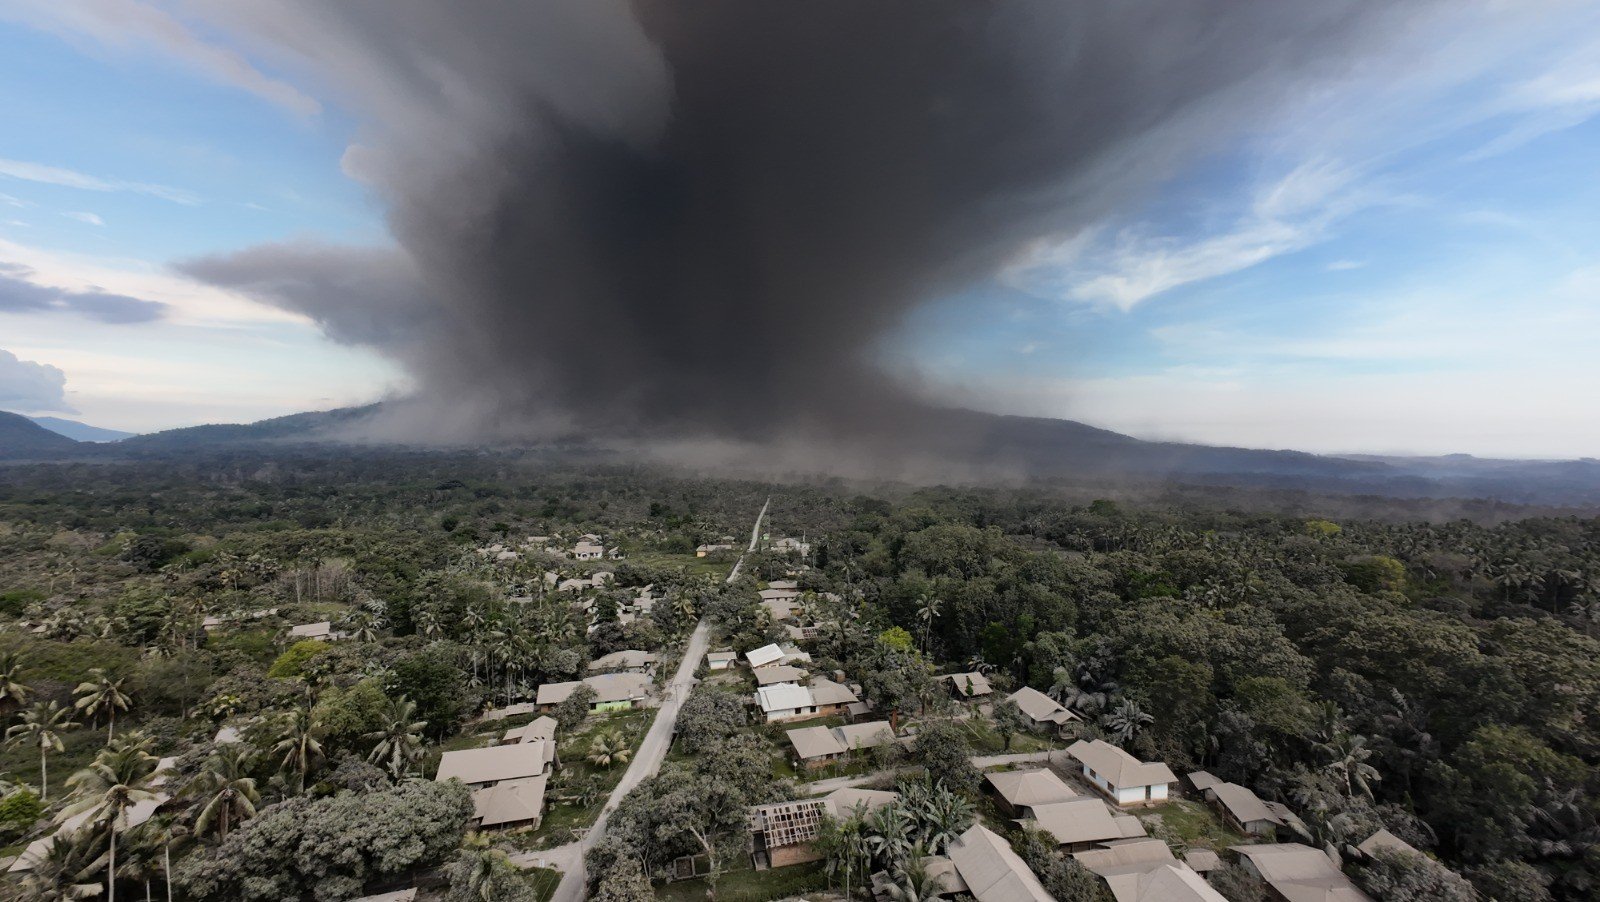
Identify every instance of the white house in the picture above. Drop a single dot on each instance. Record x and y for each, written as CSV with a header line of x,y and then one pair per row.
x,y
1123,778
721,660
587,550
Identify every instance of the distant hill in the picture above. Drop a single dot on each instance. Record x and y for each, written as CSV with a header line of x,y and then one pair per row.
x,y
298,427
979,445
23,439
81,432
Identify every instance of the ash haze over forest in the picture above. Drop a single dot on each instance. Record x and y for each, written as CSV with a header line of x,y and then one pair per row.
x,y
700,220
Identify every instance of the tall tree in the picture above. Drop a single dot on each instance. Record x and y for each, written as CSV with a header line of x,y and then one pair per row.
x,y
228,789
100,694
41,728
399,743
299,749
105,791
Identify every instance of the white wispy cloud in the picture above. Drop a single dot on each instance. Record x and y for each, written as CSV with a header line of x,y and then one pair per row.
x,y
1288,214
133,25
81,216
71,178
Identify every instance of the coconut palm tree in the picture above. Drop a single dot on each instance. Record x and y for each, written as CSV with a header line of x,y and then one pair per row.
x,y
41,728
230,789
609,748
481,872
13,694
399,745
105,790
927,611
102,695
1348,756
65,872
1126,721
300,748
912,880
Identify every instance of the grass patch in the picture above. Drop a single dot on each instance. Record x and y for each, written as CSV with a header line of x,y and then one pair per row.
x,y
1193,823
745,884
688,563
544,882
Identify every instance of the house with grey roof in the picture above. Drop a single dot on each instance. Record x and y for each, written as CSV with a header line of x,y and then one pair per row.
x,y
613,691
1298,873
819,746
1242,809
1123,778
1019,790
1044,712
968,685
1083,823
991,870
1144,870
630,660
507,781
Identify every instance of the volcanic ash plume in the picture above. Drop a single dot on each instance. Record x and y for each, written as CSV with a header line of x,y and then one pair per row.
x,y
700,219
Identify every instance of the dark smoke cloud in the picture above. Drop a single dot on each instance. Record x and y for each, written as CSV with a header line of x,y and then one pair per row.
x,y
701,218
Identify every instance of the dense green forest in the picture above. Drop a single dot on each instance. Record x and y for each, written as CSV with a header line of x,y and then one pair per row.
x,y
1435,677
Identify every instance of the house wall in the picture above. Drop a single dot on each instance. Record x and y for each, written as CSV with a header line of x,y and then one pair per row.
x,y
784,856
794,714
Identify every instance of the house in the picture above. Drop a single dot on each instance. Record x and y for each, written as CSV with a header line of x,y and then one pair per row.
x,y
764,656
629,660
1018,791
404,895
780,603
1297,873
1384,841
792,585
713,548
832,698
721,660
1123,778
543,727
818,746
322,631
786,701
612,691
1044,712
1144,870
968,685
507,781
1243,809
787,545
516,710
779,673
781,833
588,549
1083,823
991,870
1202,860
482,768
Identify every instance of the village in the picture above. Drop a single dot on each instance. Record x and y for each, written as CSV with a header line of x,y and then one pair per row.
x,y
826,758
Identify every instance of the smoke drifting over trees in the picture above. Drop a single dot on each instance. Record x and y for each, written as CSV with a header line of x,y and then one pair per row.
x,y
699,219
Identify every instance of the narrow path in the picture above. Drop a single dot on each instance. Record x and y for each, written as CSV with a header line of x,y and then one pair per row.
x,y
646,761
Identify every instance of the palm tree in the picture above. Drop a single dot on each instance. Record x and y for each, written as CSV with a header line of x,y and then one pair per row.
x,y
481,872
609,748
1126,721
912,880
102,695
943,816
13,694
65,872
927,612
41,727
400,740
1348,756
301,746
106,789
888,835
165,832
226,780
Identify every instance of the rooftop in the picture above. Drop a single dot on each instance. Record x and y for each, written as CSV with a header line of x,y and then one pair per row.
x,y
495,763
1117,766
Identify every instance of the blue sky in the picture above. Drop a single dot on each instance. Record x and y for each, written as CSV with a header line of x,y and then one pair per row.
x,y
1405,260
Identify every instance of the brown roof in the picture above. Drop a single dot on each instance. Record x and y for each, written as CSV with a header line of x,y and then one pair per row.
x,y
512,802
779,673
992,871
1244,805
1039,707
1301,874
827,692
970,684
608,687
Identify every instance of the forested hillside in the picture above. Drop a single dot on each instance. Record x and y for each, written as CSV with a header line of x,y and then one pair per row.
x,y
275,656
